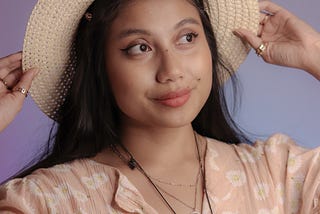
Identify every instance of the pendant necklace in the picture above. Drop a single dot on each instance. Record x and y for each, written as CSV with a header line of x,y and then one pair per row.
x,y
133,163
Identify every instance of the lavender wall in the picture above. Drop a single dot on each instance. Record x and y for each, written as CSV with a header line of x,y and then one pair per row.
x,y
274,99
24,137
278,99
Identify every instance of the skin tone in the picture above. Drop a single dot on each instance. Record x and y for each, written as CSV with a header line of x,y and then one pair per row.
x,y
11,101
162,81
161,75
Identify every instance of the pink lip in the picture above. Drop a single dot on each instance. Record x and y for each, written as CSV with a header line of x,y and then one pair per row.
x,y
174,99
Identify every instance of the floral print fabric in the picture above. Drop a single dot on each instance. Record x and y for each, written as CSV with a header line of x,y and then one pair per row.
x,y
271,177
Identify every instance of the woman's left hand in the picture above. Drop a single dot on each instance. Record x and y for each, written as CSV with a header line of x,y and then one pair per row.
x,y
287,39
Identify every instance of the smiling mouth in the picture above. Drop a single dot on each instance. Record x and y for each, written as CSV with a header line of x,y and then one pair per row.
x,y
174,99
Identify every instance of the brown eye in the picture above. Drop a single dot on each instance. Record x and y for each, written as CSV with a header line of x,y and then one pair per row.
x,y
137,49
143,48
187,38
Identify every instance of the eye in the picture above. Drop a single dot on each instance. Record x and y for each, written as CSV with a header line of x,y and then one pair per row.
x,y
137,49
188,38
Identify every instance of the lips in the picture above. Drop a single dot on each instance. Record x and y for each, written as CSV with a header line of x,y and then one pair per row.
x,y
174,99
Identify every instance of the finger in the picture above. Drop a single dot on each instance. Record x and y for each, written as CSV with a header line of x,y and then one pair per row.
x,y
24,84
260,24
6,61
264,17
254,41
12,78
6,70
261,18
269,6
10,63
249,37
3,85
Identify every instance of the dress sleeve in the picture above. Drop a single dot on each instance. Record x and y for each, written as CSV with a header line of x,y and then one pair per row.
x,y
23,196
295,172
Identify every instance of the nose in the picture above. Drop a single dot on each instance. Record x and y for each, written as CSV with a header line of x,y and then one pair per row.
x,y
170,68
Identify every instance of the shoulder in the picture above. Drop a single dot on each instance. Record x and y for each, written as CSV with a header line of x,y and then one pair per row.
x,y
54,187
84,172
274,171
279,147
279,144
278,156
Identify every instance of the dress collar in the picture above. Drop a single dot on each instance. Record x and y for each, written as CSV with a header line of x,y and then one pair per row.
x,y
128,198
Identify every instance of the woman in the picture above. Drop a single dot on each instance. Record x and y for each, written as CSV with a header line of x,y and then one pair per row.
x,y
146,85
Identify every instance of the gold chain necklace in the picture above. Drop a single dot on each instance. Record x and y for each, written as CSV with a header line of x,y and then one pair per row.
x,y
194,207
132,164
177,184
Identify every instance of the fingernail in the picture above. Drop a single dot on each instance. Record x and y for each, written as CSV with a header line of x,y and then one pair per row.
x,y
237,33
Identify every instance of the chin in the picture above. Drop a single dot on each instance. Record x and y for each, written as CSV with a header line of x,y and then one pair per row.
x,y
174,120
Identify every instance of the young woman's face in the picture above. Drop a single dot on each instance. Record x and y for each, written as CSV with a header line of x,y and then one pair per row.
x,y
159,63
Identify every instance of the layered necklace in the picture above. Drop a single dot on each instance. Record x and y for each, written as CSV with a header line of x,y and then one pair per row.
x,y
134,164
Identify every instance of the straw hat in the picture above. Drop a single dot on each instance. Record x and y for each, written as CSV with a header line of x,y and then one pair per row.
x,y
52,24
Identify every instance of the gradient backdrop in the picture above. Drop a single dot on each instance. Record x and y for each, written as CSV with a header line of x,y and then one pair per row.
x,y
274,99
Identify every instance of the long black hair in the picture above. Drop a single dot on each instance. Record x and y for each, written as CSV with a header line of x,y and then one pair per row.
x,y
89,118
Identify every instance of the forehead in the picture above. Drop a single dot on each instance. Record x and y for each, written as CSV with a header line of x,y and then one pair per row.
x,y
159,13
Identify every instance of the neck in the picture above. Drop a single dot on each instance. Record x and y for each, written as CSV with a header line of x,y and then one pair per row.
x,y
166,147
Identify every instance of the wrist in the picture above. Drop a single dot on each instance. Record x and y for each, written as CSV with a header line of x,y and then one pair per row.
x,y
313,65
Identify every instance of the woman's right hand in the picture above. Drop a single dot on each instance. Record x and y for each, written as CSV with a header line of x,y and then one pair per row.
x,y
13,83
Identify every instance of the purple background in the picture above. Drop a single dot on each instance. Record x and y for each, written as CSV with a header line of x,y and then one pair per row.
x,y
274,99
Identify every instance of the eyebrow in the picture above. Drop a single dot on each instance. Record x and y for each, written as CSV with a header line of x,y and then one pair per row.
x,y
133,31
186,21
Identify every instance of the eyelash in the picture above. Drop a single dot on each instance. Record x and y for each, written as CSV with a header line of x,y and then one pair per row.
x,y
193,34
127,49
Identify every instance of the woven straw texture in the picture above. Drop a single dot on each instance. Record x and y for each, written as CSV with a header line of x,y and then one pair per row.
x,y
51,27
227,15
47,46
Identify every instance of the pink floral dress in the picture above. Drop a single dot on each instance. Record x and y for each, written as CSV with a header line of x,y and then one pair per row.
x,y
271,177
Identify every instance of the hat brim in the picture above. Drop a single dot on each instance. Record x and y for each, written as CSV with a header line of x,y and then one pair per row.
x,y
52,25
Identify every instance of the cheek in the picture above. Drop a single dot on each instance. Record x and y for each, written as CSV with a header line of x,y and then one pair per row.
x,y
206,66
128,85
118,82
122,86
202,63
206,81
119,77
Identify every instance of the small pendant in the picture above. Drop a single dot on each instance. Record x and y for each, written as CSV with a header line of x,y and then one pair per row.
x,y
194,212
132,163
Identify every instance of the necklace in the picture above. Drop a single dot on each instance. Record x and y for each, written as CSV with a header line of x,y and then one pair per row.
x,y
194,207
132,164
203,172
177,184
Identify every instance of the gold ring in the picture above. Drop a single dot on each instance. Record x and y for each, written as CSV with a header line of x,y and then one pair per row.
x,y
260,49
22,91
